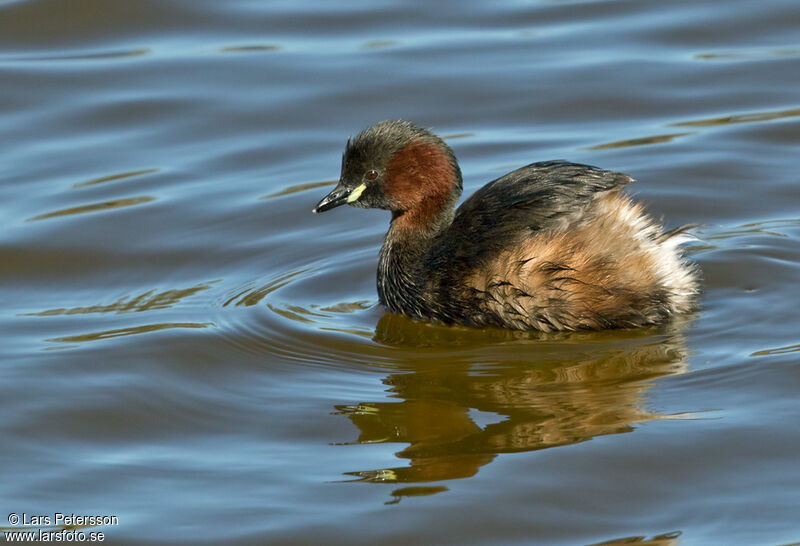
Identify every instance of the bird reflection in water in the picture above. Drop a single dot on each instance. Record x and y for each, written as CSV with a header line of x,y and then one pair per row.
x,y
466,396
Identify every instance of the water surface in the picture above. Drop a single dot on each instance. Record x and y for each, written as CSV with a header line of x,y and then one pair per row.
x,y
185,346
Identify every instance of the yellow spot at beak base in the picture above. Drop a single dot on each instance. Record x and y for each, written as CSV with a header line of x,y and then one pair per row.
x,y
356,193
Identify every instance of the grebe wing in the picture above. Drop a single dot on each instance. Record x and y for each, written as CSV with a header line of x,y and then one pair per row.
x,y
536,197
539,196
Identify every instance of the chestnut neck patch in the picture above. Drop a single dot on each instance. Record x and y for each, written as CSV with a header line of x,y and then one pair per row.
x,y
420,183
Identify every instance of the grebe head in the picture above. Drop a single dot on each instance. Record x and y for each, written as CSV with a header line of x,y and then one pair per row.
x,y
398,166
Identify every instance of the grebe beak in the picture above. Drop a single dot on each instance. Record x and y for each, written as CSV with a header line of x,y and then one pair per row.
x,y
339,196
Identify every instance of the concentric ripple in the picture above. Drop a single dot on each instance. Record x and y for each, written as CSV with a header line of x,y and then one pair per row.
x,y
275,316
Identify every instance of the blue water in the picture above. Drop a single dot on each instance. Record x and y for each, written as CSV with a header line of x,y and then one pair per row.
x,y
185,346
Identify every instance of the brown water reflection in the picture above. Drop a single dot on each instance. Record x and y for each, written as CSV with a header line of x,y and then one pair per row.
x,y
251,48
667,539
145,301
752,117
297,188
133,330
740,118
114,177
570,389
95,207
643,141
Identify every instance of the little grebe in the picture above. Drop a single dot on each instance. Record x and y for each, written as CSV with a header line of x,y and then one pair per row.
x,y
550,246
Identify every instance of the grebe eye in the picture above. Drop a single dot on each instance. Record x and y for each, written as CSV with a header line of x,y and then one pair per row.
x,y
371,175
